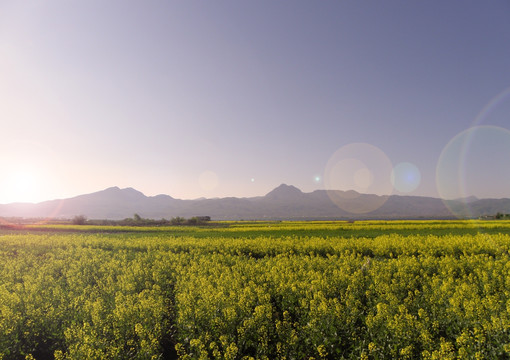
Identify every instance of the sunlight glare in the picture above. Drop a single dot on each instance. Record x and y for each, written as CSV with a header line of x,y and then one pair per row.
x,y
21,186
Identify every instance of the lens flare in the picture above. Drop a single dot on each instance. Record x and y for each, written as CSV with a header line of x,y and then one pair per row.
x,y
358,169
474,163
405,177
363,178
347,174
497,110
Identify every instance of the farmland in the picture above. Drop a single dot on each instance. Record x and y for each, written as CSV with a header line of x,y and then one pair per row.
x,y
257,290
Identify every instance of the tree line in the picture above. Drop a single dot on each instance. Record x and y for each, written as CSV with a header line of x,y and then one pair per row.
x,y
137,220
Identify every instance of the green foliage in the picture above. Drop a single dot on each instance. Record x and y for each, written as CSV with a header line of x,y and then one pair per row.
x,y
500,216
137,220
276,293
79,220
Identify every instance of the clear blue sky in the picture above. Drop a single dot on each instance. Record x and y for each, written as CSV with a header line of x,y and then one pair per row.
x,y
232,98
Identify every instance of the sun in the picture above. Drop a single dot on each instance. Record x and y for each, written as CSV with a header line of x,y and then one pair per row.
x,y
20,185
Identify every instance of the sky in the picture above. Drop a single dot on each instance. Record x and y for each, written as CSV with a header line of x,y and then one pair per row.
x,y
232,98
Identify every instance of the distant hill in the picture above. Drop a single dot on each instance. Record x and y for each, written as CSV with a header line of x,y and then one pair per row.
x,y
283,202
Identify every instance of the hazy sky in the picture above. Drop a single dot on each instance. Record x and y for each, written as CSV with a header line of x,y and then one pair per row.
x,y
232,98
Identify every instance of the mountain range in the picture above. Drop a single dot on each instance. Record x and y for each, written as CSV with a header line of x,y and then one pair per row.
x,y
285,202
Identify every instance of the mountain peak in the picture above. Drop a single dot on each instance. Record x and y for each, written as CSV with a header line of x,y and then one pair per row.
x,y
284,191
283,202
111,189
468,199
117,192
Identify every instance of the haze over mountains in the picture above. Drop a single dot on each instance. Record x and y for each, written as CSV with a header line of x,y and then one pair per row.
x,y
284,202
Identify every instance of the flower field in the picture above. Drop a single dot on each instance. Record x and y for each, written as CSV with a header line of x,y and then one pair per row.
x,y
258,290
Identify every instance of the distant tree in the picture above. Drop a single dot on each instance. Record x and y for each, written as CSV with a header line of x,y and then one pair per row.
x,y
501,216
137,218
79,220
177,220
193,221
